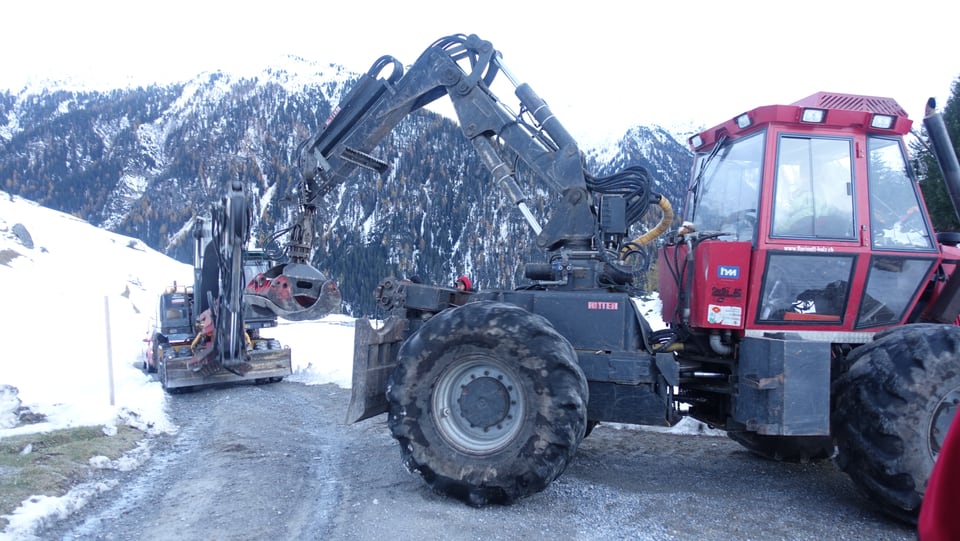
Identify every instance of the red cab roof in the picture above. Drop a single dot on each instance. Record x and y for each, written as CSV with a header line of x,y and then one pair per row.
x,y
869,113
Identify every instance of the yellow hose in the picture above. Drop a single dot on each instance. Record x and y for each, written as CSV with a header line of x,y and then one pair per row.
x,y
666,218
196,341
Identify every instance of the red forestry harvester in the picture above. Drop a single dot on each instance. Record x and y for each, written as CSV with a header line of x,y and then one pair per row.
x,y
810,304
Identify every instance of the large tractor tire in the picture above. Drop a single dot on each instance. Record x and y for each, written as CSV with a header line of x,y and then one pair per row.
x,y
487,402
892,409
147,367
158,341
799,449
162,368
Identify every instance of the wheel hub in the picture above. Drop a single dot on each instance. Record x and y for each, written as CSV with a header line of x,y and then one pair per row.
x,y
943,415
478,405
484,402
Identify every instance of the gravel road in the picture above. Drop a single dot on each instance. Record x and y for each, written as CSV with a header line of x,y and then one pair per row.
x,y
277,462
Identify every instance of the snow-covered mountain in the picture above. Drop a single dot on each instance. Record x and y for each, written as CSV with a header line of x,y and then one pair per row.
x,y
143,162
64,280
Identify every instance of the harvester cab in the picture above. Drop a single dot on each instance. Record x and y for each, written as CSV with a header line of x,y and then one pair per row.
x,y
811,305
820,224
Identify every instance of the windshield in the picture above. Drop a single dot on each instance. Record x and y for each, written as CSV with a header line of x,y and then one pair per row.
x,y
726,194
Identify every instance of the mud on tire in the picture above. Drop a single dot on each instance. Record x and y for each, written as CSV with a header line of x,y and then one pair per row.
x,y
487,402
891,411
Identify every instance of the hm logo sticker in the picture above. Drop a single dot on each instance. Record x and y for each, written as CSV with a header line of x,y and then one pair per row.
x,y
729,272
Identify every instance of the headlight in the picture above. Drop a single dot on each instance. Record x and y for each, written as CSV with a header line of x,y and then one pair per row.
x,y
813,115
883,122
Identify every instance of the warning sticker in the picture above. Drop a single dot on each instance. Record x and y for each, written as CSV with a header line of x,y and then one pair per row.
x,y
724,315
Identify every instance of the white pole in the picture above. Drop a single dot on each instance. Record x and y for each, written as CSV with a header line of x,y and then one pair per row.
x,y
106,311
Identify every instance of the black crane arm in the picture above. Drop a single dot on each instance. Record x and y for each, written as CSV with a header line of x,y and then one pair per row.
x,y
219,282
593,215
461,68
377,104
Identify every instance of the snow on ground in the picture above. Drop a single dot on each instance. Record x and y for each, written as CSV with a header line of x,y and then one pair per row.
x,y
63,281
57,298
60,276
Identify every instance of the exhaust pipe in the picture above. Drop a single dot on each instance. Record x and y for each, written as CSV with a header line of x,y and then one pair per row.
x,y
944,151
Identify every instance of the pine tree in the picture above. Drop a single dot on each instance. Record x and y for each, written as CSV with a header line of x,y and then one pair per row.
x,y
935,193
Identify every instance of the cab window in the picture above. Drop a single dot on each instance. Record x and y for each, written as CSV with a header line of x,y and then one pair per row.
x,y
813,194
892,283
805,288
896,219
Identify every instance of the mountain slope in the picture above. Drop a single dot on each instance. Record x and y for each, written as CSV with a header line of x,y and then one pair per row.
x,y
143,162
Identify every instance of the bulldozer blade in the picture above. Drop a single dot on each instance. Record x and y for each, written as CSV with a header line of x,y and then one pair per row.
x,y
374,358
295,292
260,365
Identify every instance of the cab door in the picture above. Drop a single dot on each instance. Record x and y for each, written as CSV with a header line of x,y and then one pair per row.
x,y
829,216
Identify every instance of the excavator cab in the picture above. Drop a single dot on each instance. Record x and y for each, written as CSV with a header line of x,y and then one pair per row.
x,y
173,312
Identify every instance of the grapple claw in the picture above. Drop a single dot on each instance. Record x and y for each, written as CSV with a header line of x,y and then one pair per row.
x,y
294,291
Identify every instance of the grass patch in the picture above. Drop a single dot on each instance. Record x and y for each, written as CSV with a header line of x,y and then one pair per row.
x,y
57,461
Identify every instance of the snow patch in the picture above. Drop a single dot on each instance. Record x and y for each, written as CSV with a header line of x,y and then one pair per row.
x,y
38,511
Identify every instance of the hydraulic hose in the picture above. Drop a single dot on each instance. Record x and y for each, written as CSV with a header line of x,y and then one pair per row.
x,y
666,218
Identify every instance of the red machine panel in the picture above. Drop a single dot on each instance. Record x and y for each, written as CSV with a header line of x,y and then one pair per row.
x,y
721,272
717,283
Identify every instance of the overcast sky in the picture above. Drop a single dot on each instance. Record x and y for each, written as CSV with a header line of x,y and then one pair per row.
x,y
602,65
